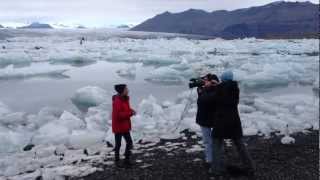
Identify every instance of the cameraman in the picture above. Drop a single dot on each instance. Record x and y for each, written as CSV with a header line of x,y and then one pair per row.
x,y
227,124
205,113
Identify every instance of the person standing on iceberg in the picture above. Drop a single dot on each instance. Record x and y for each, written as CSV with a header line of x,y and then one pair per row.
x,y
205,114
227,124
121,122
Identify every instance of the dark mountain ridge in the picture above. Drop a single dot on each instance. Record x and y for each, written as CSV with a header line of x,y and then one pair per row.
x,y
37,25
274,19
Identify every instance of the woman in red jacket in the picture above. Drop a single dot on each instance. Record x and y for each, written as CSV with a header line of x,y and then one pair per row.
x,y
121,123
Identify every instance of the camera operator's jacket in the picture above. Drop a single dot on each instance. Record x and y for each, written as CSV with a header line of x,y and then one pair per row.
x,y
226,121
206,108
121,114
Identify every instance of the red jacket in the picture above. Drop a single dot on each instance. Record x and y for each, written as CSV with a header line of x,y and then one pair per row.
x,y
121,114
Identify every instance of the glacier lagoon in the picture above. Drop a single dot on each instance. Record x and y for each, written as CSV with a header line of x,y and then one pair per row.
x,y
56,93
37,63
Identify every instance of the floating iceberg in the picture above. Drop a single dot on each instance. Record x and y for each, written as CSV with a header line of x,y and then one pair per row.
x,y
128,72
14,58
184,65
90,96
165,75
74,58
19,73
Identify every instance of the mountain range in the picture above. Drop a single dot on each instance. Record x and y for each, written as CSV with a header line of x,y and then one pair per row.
x,y
37,25
278,19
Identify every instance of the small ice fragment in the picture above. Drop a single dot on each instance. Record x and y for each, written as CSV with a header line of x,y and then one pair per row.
x,y
287,140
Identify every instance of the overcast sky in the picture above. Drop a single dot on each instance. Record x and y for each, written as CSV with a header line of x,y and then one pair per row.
x,y
98,13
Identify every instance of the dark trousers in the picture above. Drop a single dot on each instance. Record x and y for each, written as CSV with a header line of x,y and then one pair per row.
x,y
218,163
129,144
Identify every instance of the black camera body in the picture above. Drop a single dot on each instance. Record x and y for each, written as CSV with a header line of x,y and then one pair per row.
x,y
196,82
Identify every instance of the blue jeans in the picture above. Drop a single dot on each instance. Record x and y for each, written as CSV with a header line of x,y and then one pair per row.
x,y
207,141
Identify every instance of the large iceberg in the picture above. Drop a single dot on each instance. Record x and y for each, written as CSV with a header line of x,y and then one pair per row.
x,y
90,96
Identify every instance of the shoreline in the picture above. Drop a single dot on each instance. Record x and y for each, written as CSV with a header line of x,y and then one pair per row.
x,y
182,159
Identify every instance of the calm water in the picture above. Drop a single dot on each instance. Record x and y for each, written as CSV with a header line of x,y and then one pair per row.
x,y
34,93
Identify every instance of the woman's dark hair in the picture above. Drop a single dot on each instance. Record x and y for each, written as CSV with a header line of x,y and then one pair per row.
x,y
120,88
211,77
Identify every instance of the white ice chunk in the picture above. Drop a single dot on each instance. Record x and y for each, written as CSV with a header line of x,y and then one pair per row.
x,y
45,115
12,141
128,72
60,130
80,139
52,133
165,75
184,65
28,72
287,140
90,96
75,57
14,57
99,118
71,121
13,119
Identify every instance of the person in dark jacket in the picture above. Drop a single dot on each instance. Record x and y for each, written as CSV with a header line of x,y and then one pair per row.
x,y
205,116
121,122
227,124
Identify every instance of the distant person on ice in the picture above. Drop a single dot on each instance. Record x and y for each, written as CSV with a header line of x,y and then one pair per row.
x,y
82,40
227,124
205,114
121,122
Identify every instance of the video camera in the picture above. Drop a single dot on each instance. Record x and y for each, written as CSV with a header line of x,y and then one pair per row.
x,y
200,82
196,82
